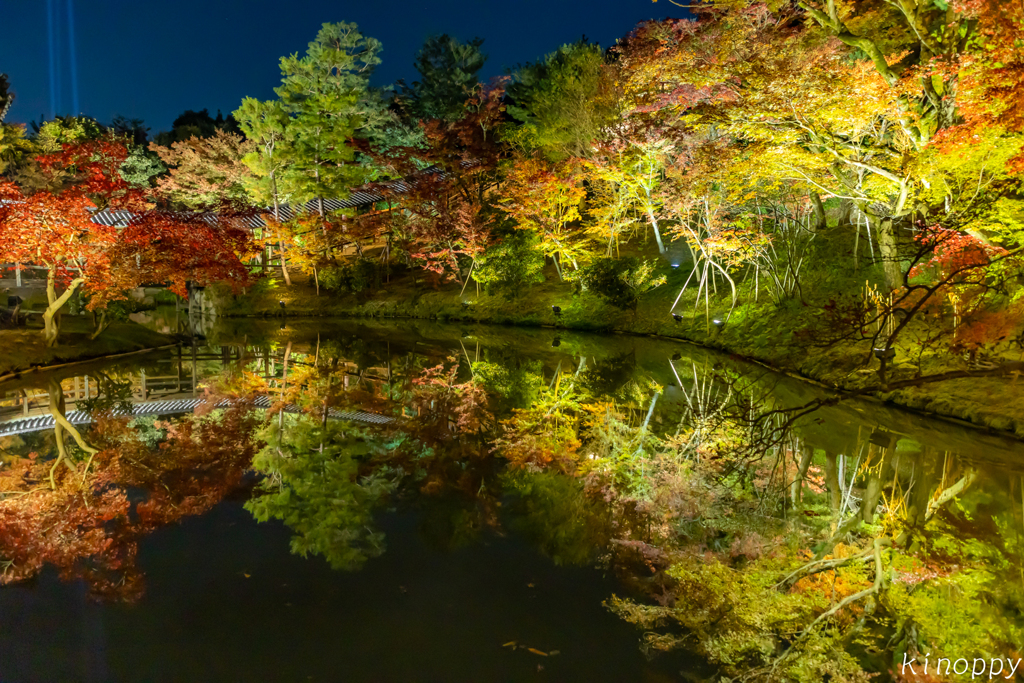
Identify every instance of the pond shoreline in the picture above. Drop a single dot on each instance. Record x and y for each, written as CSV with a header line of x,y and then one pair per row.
x,y
997,410
25,352
1001,421
18,374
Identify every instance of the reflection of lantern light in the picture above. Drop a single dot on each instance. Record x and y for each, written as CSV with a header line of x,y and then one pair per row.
x,y
675,265
719,324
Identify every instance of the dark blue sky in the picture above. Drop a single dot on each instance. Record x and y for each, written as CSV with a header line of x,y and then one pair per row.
x,y
152,59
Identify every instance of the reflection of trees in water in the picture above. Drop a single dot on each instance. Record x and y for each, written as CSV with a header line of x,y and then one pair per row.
x,y
770,557
312,484
78,517
704,403
325,479
852,564
113,394
558,515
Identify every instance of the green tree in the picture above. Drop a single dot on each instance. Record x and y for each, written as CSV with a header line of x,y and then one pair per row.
x,y
141,167
265,124
448,77
512,264
622,280
312,484
565,100
326,92
15,149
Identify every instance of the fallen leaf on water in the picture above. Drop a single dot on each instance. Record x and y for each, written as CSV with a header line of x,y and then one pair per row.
x,y
511,644
246,575
537,652
529,585
554,652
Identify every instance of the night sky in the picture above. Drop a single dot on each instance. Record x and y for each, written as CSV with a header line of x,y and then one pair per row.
x,y
156,58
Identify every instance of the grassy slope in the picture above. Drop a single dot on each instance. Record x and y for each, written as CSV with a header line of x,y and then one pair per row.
x,y
757,330
24,348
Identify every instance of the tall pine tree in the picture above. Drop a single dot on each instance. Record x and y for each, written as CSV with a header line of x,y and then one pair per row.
x,y
325,93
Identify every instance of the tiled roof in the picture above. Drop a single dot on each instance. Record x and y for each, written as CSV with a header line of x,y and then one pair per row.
x,y
357,199
376,192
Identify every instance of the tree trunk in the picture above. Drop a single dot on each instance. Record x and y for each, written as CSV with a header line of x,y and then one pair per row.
x,y
820,223
887,249
925,479
468,275
796,490
835,494
277,203
873,487
657,233
845,213
100,326
58,411
284,264
50,327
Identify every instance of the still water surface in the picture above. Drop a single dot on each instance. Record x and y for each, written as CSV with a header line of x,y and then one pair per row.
x,y
433,559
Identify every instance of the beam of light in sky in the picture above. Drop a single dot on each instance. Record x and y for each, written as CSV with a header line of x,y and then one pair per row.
x,y
75,110
57,37
53,58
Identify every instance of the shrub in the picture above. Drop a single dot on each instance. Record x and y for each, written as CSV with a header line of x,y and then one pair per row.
x,y
620,280
510,266
360,275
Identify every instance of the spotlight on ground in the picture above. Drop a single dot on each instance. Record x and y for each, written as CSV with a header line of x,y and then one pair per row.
x,y
887,354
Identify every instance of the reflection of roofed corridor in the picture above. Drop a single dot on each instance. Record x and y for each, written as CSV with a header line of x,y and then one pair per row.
x,y
171,393
175,407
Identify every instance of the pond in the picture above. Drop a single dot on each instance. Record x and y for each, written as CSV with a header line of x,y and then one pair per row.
x,y
320,501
